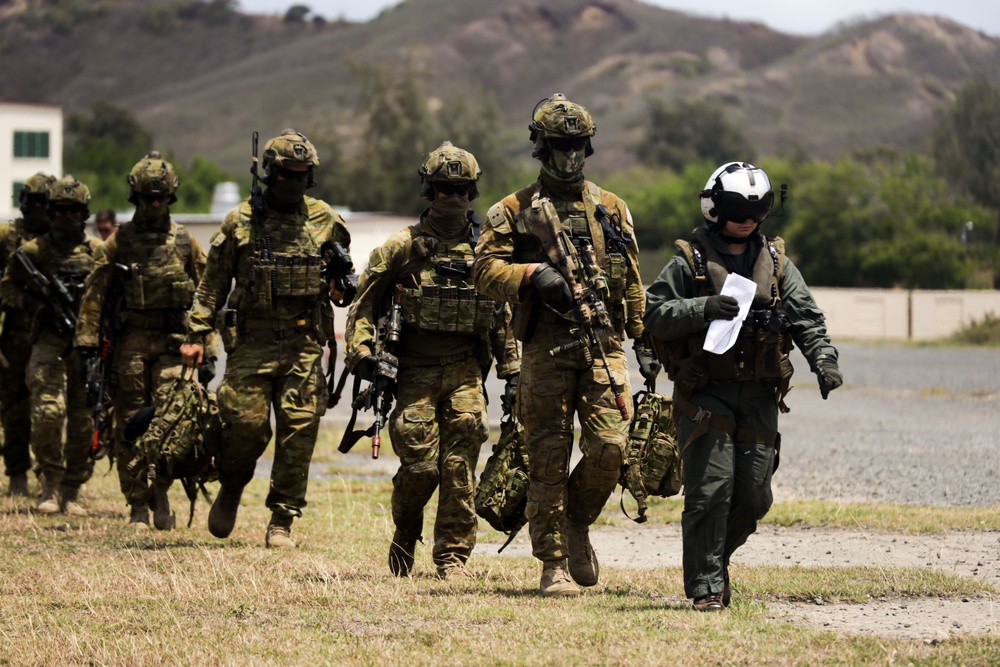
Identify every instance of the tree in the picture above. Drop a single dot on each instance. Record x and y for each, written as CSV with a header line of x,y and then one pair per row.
x,y
690,131
967,142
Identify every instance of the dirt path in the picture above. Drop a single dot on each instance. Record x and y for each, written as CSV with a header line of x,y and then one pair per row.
x,y
975,555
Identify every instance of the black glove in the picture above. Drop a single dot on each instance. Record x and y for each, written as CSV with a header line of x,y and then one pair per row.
x,y
206,372
510,393
719,307
552,288
85,355
649,367
829,375
366,367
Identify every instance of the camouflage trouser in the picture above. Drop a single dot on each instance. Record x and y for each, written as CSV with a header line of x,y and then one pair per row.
x,y
143,360
437,430
15,399
287,375
727,481
58,396
552,390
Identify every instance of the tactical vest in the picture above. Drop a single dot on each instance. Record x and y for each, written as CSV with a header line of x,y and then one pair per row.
x,y
445,299
580,220
296,270
159,264
762,348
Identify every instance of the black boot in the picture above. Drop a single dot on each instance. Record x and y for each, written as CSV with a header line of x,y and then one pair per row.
x,y
222,516
163,518
401,553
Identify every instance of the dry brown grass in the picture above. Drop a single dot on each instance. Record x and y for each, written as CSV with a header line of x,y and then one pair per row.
x,y
93,592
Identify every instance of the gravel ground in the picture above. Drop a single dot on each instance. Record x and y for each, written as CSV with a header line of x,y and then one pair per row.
x,y
911,425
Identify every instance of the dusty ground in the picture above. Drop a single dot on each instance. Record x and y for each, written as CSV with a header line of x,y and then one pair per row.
x,y
913,426
968,554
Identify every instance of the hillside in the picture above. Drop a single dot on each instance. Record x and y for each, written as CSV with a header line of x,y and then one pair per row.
x,y
202,78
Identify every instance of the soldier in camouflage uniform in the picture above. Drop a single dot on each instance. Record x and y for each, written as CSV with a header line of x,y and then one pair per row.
x,y
512,265
58,395
15,340
447,340
728,402
163,264
278,318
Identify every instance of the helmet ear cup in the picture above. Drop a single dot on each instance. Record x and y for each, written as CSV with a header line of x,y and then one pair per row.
x,y
427,190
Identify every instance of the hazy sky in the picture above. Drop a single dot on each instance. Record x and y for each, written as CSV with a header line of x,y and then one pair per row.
x,y
793,16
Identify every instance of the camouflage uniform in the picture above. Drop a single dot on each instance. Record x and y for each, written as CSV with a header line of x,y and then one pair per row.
x,y
15,340
728,403
439,423
561,505
164,265
58,396
278,318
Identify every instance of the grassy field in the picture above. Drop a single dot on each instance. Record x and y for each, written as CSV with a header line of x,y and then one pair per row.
x,y
92,592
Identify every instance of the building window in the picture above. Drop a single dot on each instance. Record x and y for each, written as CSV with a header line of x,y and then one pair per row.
x,y
31,144
16,203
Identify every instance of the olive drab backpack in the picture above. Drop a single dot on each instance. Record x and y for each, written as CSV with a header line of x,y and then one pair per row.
x,y
652,465
502,494
181,438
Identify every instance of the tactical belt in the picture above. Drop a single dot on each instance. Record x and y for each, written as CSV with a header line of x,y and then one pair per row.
x,y
275,329
415,362
704,420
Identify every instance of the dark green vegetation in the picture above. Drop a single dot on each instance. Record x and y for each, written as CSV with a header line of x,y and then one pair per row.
x,y
886,130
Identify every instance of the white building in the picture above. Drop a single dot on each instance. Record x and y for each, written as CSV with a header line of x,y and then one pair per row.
x,y
31,140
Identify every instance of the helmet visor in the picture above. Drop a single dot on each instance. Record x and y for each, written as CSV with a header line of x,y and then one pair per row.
x,y
734,207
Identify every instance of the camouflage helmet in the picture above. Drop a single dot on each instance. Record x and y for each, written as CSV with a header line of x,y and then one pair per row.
x,y
556,117
289,148
68,191
153,176
449,164
38,184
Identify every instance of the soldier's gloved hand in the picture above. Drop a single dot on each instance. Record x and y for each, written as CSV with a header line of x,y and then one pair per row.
x,y
829,375
510,393
206,372
552,288
85,354
366,368
649,367
719,307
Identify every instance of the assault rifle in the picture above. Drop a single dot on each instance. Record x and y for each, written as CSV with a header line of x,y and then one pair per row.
x,y
53,292
338,268
586,282
379,394
99,368
262,241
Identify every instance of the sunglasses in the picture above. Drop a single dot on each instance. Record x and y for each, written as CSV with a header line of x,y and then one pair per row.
x,y
292,174
63,209
449,189
567,144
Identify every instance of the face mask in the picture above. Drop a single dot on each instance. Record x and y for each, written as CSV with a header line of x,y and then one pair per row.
x,y
36,220
287,193
565,165
68,230
145,212
447,218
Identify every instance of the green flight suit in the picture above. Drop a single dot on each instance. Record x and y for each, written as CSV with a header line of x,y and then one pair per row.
x,y
727,471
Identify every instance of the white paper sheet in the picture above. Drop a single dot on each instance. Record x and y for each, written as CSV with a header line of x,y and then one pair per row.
x,y
722,334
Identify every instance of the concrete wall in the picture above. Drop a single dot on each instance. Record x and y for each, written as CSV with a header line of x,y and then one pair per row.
x,y
872,314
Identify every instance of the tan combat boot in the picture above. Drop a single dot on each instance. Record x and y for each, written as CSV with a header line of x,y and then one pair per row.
x,y
279,532
583,565
19,485
70,504
139,519
556,582
50,496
